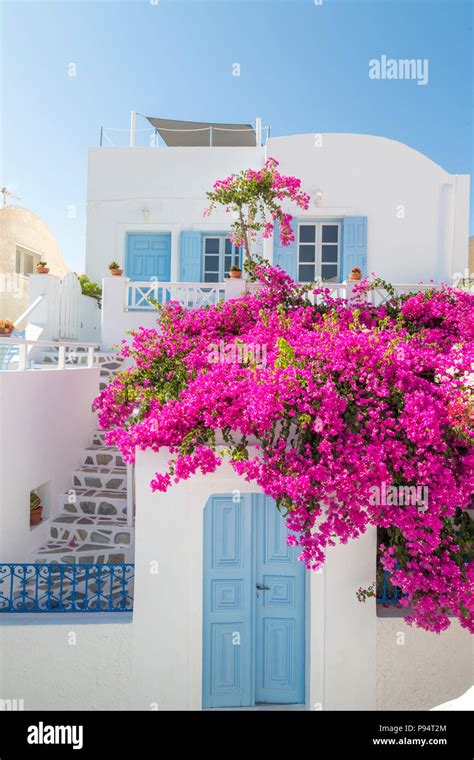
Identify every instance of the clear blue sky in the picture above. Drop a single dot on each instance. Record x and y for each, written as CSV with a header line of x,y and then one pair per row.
x,y
304,68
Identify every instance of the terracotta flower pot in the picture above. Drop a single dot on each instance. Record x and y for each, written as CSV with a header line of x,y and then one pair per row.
x,y
42,270
6,333
116,272
235,275
355,275
36,515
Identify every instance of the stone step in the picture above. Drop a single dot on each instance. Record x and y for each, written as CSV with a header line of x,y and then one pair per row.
x,y
102,456
95,502
92,530
98,438
87,553
102,478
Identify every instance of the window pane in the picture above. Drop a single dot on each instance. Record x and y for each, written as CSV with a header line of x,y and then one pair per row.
x,y
330,233
307,253
306,273
329,253
212,264
307,233
28,264
227,263
211,277
329,272
211,245
237,259
228,247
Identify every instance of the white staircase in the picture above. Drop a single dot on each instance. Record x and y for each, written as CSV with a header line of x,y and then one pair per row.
x,y
91,526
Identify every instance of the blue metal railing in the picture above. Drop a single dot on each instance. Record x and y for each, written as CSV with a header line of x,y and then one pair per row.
x,y
388,594
97,587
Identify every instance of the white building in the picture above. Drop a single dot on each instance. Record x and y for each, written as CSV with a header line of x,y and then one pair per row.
x,y
223,615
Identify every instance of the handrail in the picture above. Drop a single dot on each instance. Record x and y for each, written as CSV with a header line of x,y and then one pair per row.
x,y
47,587
49,343
29,310
23,344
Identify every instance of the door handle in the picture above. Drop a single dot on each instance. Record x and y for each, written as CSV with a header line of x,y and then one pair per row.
x,y
260,587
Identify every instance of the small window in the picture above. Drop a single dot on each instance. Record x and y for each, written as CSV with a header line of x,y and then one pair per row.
x,y
26,261
318,251
219,255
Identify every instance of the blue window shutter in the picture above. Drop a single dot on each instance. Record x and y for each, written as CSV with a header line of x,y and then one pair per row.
x,y
190,256
285,255
354,244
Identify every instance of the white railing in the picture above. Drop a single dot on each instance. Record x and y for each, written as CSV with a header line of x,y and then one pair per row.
x,y
345,290
376,297
13,284
14,353
190,294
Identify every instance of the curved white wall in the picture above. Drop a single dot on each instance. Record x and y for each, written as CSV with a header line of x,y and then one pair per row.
x,y
358,175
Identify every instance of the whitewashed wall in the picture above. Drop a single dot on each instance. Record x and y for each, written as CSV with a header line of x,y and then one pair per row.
x,y
89,319
167,645
46,419
418,214
358,175
170,182
66,664
418,670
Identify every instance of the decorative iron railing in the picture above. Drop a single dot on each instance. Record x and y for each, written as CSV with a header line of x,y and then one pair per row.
x,y
387,593
36,588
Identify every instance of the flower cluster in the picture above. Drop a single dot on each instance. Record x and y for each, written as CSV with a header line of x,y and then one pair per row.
x,y
255,198
351,398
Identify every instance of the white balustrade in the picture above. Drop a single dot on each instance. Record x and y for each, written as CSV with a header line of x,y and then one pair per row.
x,y
189,294
15,353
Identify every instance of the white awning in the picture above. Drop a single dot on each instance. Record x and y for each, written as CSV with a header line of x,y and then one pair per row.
x,y
201,133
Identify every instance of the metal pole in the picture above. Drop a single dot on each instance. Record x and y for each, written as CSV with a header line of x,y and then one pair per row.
x,y
101,136
210,137
133,127
258,131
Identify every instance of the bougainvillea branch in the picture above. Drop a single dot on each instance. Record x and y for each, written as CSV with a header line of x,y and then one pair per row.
x,y
255,198
352,403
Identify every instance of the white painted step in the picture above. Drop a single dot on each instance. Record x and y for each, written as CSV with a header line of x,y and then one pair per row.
x,y
85,553
106,478
95,501
102,456
111,531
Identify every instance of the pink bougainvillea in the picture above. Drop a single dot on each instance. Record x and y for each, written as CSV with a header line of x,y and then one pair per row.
x,y
255,198
350,401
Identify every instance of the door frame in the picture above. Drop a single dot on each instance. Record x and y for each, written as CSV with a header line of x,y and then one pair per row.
x,y
252,493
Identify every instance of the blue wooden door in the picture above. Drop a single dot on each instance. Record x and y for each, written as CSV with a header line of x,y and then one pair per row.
x,y
148,256
253,638
228,592
280,591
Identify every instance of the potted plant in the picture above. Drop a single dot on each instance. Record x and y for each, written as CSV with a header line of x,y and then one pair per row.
x,y
356,274
114,269
42,267
6,327
36,509
235,272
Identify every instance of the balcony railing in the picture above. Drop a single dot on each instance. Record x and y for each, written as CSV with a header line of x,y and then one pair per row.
x,y
386,592
17,353
139,295
66,588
